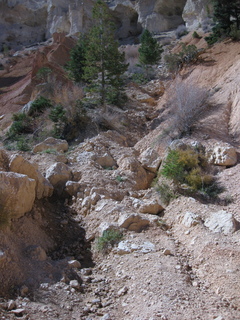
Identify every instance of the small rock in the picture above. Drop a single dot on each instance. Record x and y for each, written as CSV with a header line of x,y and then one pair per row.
x,y
106,317
190,219
122,291
195,284
74,284
167,252
18,312
24,290
11,305
74,264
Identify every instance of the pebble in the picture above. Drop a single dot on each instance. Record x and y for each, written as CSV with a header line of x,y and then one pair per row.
x,y
167,252
122,291
11,305
74,284
74,264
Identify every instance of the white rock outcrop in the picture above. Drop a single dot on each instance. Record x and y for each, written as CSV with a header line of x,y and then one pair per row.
x,y
58,174
222,221
150,160
221,154
17,194
20,165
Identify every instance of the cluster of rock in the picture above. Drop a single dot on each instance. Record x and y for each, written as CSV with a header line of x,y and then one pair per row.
x,y
104,178
21,184
29,22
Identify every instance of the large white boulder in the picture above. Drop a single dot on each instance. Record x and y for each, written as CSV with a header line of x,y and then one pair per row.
x,y
58,174
222,221
20,165
17,194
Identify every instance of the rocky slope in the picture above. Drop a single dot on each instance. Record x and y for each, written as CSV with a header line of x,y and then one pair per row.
x,y
179,261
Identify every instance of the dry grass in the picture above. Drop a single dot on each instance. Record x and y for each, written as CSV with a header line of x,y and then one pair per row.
x,y
187,102
131,56
67,94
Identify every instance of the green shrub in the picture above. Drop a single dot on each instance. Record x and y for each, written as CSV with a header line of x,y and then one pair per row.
x,y
175,61
43,73
58,116
189,167
234,32
195,35
108,240
22,124
23,145
38,106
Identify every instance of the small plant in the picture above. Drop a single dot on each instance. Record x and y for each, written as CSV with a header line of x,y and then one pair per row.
x,y
119,179
50,151
139,78
108,240
38,106
21,125
187,103
57,115
44,73
188,167
234,32
195,35
175,61
23,145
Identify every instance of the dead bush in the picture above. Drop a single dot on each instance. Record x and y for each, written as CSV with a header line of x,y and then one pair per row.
x,y
131,56
187,103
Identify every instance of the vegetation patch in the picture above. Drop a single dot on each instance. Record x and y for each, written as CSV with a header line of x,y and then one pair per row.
x,y
189,170
108,240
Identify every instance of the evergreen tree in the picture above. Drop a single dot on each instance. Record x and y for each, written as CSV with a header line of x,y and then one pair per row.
x,y
227,17
102,55
150,50
77,60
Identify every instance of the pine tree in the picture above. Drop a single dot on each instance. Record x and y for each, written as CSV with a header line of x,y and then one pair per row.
x,y
102,55
227,17
76,64
150,50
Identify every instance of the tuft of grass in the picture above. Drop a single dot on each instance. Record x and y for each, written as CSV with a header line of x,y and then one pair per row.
x,y
166,193
108,240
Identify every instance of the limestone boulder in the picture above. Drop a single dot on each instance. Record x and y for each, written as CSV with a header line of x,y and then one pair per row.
x,y
128,246
151,206
134,222
58,174
150,160
132,169
17,194
222,221
20,165
190,219
222,154
51,144
106,161
72,188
